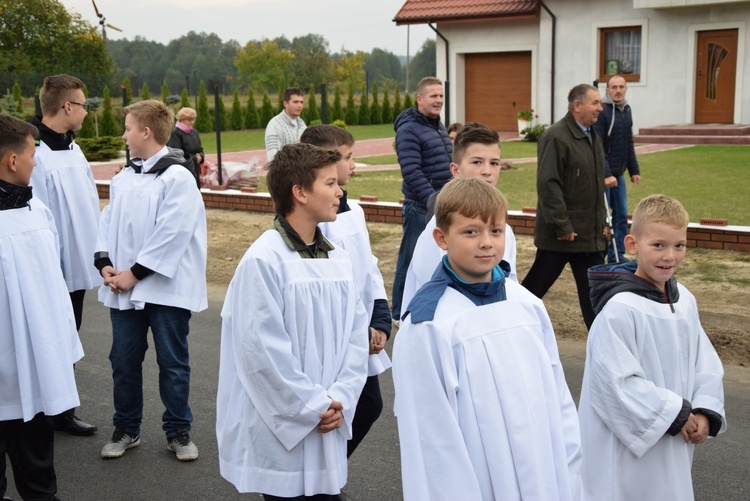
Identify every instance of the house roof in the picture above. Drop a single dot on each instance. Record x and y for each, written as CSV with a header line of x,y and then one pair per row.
x,y
426,11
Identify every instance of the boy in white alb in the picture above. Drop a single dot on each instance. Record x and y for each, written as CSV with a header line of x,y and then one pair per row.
x,y
349,232
483,409
293,343
152,255
476,153
63,181
38,339
652,384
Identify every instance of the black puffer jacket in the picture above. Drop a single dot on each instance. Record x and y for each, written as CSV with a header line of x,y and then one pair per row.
x,y
606,280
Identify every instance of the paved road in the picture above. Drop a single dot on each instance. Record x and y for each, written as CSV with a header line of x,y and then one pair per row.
x,y
150,472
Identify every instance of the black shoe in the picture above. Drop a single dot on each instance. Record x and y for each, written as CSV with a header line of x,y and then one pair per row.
x,y
71,424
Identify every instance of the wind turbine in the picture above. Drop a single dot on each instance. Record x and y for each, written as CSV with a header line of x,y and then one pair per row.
x,y
103,22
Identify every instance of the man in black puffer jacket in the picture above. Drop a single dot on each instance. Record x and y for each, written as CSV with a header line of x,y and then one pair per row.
x,y
424,154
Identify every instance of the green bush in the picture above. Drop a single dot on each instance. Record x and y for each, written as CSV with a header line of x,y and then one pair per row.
x,y
236,119
312,106
397,109
339,123
351,116
107,124
534,133
387,112
266,110
101,149
364,108
376,115
184,99
252,120
317,121
203,120
338,111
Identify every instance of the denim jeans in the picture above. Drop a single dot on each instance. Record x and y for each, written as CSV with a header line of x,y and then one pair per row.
x,y
618,202
413,224
169,327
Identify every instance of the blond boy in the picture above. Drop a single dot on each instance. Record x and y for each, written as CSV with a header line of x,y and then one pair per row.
x,y
481,400
652,385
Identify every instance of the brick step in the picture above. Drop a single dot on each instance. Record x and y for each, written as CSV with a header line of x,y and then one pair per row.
x,y
696,130
729,140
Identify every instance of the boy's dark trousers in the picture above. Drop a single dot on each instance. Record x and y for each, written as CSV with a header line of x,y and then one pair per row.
x,y
369,407
30,447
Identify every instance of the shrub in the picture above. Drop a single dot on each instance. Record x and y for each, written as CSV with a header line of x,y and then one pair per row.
x,y
128,91
203,122
18,97
312,105
338,111
376,115
172,99
266,110
407,101
397,109
101,149
364,108
315,122
164,92
185,99
237,120
351,116
145,94
339,123
252,120
387,113
534,133
107,125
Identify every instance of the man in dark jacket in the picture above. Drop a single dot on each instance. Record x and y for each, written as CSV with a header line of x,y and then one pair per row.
x,y
570,214
424,154
615,128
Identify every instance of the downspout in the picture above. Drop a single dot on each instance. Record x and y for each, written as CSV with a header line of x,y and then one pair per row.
x,y
552,76
446,84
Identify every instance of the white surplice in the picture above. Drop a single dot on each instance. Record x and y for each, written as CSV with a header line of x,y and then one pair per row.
x,y
483,409
63,181
158,221
642,360
349,232
38,343
427,256
294,337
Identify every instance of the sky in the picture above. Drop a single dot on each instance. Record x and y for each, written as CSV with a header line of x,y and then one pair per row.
x,y
351,24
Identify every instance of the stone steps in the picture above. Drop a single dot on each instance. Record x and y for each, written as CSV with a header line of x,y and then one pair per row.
x,y
695,134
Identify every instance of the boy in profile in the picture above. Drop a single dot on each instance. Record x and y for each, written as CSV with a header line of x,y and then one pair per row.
x,y
483,408
38,339
152,255
293,343
349,232
652,384
476,153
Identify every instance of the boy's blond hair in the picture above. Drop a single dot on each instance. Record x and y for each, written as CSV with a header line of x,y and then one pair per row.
x,y
55,91
659,209
155,115
471,198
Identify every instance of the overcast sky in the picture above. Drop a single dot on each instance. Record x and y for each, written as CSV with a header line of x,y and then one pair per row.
x,y
352,24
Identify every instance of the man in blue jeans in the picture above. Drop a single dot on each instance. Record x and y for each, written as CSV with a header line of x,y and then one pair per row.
x,y
424,154
615,128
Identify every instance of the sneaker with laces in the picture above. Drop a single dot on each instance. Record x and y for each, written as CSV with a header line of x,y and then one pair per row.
x,y
121,441
183,447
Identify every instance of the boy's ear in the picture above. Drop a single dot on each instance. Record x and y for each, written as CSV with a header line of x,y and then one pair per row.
x,y
9,160
630,241
439,236
298,192
454,170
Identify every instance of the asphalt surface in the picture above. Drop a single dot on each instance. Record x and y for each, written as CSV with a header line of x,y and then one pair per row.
x,y
150,472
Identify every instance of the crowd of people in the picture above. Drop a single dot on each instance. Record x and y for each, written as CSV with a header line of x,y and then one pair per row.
x,y
482,404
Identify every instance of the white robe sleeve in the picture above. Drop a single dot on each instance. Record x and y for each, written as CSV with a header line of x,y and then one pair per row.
x,y
434,460
635,410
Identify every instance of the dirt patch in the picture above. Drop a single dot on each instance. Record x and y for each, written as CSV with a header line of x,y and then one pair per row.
x,y
720,280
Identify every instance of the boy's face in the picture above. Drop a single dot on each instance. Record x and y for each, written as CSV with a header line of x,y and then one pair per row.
x,y
345,166
294,106
481,161
474,247
659,248
77,112
135,137
21,163
322,201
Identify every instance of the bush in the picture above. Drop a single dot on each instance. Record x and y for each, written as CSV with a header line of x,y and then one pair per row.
x,y
376,115
339,123
101,149
203,120
266,110
364,108
252,120
534,133
107,124
317,121
172,99
236,119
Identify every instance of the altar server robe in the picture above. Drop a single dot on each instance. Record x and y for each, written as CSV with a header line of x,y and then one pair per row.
x,y
483,409
39,342
294,338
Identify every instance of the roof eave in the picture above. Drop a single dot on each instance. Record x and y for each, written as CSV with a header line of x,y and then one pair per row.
x,y
466,19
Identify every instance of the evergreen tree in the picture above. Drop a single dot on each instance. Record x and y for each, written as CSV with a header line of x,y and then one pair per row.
x,y
387,113
107,125
282,89
266,110
164,91
351,117
145,94
203,120
18,97
376,115
364,108
237,120
312,106
337,112
407,101
397,109
88,128
128,91
223,120
185,99
252,120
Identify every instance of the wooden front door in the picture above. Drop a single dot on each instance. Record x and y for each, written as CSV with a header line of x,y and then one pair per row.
x,y
716,68
498,85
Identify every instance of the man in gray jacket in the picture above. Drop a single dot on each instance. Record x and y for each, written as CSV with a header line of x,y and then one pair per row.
x,y
570,214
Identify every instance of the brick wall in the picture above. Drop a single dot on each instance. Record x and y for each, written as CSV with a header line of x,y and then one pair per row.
x,y
735,238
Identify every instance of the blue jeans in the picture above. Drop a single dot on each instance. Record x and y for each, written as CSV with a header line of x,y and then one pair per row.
x,y
413,224
618,202
169,327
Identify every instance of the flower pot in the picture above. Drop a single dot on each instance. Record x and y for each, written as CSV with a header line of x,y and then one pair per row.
x,y
523,124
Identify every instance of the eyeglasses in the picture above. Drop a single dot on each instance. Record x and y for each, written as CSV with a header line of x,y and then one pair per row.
x,y
84,105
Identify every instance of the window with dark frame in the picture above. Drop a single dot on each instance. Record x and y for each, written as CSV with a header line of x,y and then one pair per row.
x,y
620,53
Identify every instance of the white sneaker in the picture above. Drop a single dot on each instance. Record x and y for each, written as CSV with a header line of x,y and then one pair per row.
x,y
183,447
121,441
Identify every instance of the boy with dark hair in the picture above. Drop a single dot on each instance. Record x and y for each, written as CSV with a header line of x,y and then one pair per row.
x,y
39,343
152,255
63,181
286,127
483,408
652,383
476,153
349,232
293,343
